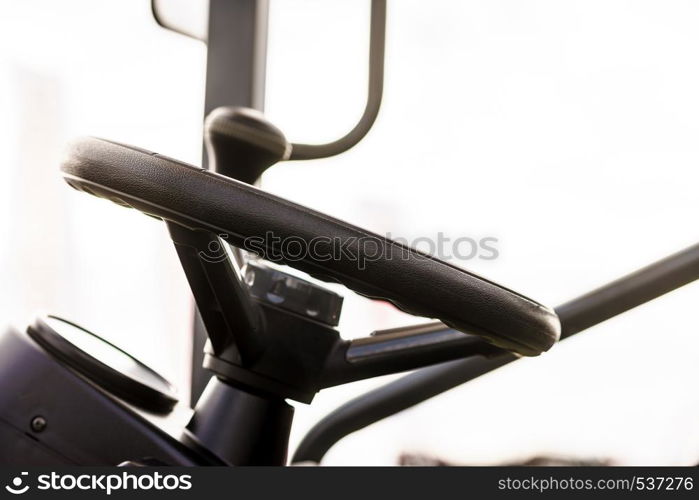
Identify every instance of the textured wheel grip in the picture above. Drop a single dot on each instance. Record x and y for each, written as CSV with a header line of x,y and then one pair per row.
x,y
253,219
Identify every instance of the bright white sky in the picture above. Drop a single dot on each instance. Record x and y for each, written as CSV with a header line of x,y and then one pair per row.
x,y
565,129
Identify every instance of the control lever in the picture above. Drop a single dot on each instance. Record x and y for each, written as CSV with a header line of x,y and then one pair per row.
x,y
242,144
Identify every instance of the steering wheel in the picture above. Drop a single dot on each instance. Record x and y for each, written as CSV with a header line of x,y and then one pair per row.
x,y
369,264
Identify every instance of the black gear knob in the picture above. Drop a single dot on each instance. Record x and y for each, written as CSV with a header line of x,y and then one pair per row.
x,y
242,144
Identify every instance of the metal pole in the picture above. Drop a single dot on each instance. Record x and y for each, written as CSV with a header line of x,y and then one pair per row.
x,y
576,315
235,76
